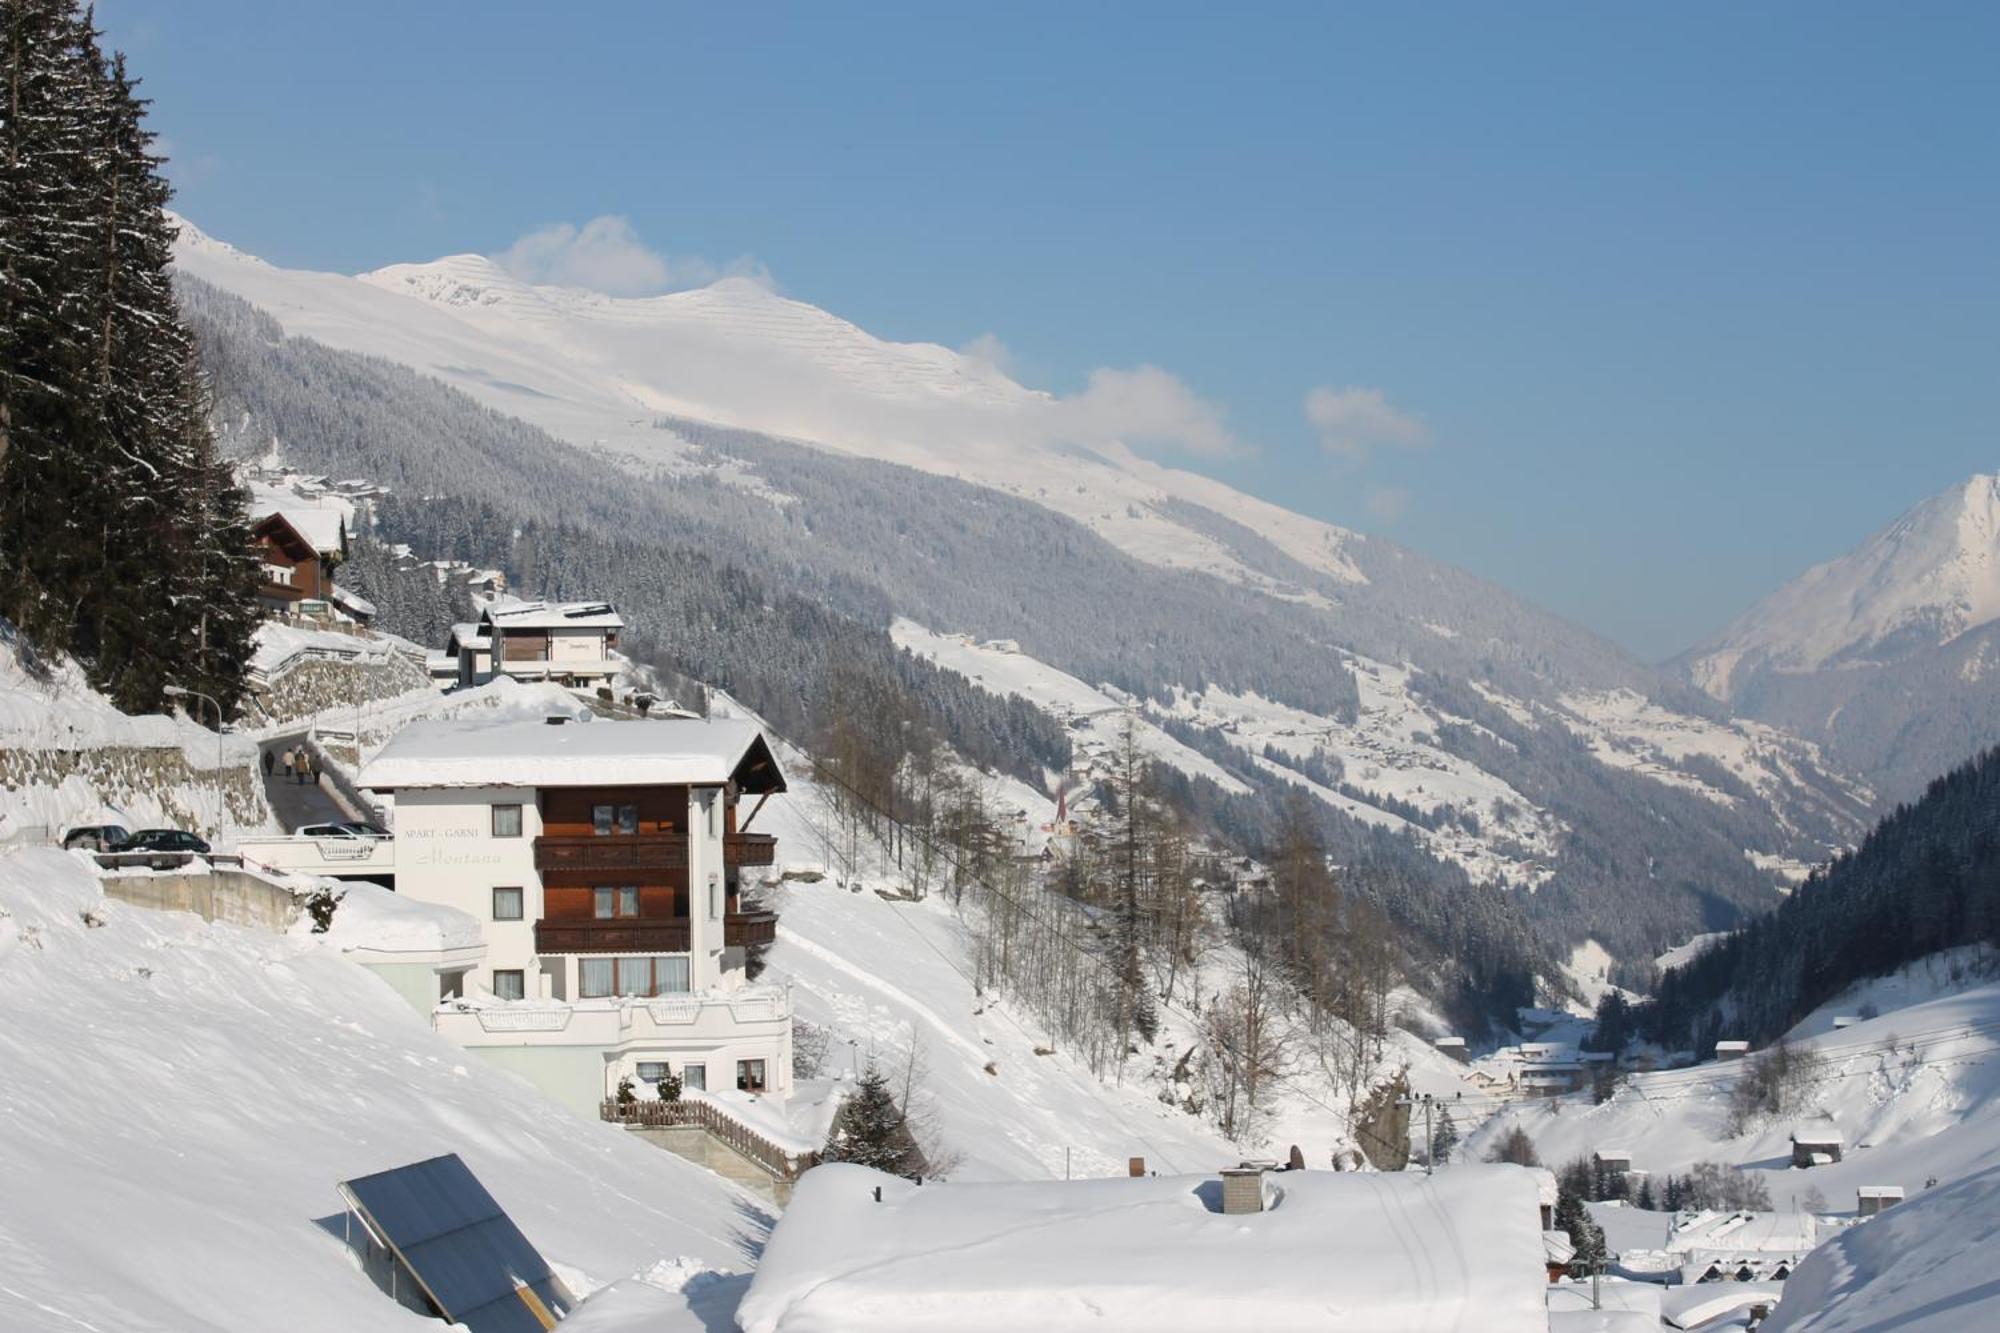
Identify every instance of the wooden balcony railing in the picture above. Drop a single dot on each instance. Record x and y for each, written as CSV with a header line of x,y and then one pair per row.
x,y
782,1164
632,935
618,852
749,849
742,928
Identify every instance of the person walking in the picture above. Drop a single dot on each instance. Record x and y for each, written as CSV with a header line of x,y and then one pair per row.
x,y
286,762
270,762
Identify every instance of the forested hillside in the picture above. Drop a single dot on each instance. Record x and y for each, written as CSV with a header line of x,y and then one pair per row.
x,y
123,540
1927,879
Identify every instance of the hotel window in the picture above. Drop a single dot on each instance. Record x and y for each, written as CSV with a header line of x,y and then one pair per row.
x,y
601,978
652,1071
510,985
507,821
750,1076
695,1076
606,820
611,903
714,901
506,904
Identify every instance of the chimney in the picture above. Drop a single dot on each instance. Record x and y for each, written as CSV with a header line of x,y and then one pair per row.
x,y
1243,1189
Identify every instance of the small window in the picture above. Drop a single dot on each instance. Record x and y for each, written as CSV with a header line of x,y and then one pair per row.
x,y
510,984
628,819
750,1076
652,1071
628,901
695,1076
714,901
714,811
506,904
600,819
594,978
506,821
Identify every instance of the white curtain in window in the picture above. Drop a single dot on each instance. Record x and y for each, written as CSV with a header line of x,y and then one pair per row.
x,y
594,977
635,976
673,975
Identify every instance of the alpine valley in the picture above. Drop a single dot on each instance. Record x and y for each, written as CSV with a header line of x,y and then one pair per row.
x,y
1506,785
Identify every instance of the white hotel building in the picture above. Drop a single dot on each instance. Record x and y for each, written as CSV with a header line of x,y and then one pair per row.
x,y
602,860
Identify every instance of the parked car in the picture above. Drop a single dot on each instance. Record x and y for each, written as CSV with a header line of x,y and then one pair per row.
x,y
166,840
345,829
98,837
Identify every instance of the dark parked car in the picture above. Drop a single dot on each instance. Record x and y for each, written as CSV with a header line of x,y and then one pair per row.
x,y
98,837
176,842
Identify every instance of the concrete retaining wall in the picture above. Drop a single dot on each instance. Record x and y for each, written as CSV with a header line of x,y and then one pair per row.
x,y
704,1149
232,896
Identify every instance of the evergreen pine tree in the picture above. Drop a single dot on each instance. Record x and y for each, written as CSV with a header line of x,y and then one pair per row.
x,y
1588,1238
869,1131
1444,1137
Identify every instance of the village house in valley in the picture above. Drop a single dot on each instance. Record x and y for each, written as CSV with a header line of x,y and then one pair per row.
x,y
603,861
572,642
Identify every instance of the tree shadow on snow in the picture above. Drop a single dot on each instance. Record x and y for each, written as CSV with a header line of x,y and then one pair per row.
x,y
753,1228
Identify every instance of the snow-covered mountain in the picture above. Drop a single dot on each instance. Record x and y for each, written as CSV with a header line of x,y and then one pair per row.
x,y
1423,705
1886,655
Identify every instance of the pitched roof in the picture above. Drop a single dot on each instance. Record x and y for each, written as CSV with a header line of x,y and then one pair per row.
x,y
678,751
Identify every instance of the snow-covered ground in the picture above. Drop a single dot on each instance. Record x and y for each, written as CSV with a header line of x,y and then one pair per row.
x,y
181,1098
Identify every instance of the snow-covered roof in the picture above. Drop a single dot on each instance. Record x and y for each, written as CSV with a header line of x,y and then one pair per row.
x,y
354,602
469,635
1829,1138
318,524
1879,1192
1707,1236
1336,1251
552,615
679,751
1449,1041
1546,1184
1732,1046
1614,1154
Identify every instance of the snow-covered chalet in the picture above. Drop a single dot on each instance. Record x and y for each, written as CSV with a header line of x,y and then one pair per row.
x,y
571,642
603,862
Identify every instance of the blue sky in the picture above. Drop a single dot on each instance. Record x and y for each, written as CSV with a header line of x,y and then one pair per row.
x,y
1639,312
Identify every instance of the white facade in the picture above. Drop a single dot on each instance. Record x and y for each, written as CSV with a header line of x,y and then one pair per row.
x,y
567,1020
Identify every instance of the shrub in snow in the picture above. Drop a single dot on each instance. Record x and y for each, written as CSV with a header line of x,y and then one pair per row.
x,y
669,1087
627,1096
320,907
1774,1082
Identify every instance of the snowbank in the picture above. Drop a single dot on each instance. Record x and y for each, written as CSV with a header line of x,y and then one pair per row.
x,y
1363,1251
180,1098
1926,1264
373,919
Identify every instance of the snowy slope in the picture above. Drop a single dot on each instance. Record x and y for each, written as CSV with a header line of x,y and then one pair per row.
x,y
590,368
1925,1266
181,1098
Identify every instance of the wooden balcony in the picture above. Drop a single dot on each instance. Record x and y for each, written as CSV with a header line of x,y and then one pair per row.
x,y
633,935
744,928
749,849
618,852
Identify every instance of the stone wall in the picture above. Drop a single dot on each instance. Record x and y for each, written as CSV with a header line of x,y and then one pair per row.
x,y
234,897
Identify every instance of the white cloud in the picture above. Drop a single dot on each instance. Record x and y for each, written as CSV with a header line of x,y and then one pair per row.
x,y
606,255
987,347
1146,408
1353,422
1388,503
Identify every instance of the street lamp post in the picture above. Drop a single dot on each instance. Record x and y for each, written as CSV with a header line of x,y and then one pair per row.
x,y
221,792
